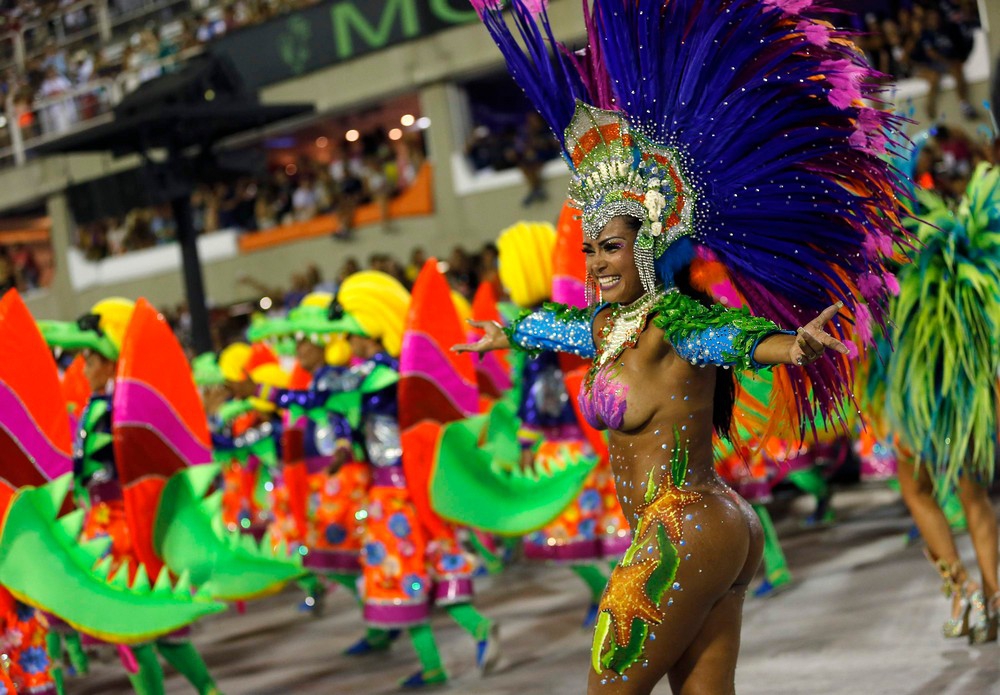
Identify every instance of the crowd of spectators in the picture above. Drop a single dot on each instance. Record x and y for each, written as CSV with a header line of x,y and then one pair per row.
x,y
26,267
920,38
948,157
57,65
526,147
464,270
928,39
371,170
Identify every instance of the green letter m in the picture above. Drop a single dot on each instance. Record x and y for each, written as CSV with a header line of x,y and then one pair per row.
x,y
348,20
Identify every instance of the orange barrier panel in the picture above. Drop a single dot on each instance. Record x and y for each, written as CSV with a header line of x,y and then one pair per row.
x,y
416,200
24,236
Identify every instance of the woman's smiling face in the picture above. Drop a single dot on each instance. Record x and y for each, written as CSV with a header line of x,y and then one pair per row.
x,y
611,261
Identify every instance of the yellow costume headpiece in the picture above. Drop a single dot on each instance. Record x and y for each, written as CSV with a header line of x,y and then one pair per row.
x,y
373,304
526,262
115,314
270,374
102,330
233,361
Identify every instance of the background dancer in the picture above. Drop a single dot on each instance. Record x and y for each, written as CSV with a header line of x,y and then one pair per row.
x,y
397,560
550,430
942,389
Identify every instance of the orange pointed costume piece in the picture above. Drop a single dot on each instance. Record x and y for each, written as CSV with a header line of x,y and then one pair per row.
x,y
436,386
34,412
159,422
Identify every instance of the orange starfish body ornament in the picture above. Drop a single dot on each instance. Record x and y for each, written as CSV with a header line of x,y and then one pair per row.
x,y
631,603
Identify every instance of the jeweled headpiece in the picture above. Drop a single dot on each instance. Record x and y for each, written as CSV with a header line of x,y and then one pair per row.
x,y
620,172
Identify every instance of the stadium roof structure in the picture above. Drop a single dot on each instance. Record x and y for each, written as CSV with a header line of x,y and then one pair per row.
x,y
174,127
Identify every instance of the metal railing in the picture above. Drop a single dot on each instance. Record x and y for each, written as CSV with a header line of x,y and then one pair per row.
x,y
28,126
72,24
85,22
24,127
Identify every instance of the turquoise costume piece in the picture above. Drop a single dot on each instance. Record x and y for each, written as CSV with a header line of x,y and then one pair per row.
x,y
553,328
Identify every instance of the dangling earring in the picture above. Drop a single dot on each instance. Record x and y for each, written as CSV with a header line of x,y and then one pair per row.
x,y
644,264
592,291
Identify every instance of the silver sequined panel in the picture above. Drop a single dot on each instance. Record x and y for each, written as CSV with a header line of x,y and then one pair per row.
x,y
382,440
549,393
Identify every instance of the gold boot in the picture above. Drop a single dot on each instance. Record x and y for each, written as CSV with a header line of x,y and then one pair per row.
x,y
983,618
954,584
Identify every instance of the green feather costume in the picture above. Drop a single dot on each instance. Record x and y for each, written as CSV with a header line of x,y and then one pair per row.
x,y
942,377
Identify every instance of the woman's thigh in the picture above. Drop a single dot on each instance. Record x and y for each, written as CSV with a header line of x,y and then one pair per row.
x,y
708,667
716,547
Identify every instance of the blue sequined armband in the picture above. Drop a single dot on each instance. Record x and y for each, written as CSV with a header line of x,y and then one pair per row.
x,y
553,328
718,346
711,346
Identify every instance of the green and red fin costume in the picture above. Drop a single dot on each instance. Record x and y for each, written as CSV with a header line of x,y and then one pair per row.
x,y
436,386
163,456
34,447
35,441
478,480
41,561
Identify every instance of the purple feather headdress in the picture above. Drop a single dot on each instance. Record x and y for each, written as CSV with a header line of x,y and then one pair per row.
x,y
752,113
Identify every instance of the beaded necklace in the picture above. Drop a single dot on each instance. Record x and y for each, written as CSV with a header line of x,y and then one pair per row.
x,y
623,329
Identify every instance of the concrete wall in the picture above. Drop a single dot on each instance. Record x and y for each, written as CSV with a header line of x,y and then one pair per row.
x,y
425,66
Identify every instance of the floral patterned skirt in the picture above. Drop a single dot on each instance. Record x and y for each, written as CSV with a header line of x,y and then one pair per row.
x,y
335,526
592,527
23,632
323,512
397,584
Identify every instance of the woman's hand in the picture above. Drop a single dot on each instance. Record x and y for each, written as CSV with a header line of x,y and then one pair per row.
x,y
811,341
493,339
805,347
